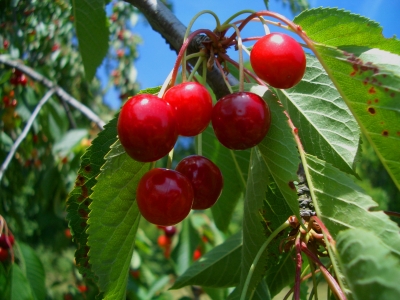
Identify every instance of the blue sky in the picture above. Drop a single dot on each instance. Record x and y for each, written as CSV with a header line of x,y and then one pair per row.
x,y
156,59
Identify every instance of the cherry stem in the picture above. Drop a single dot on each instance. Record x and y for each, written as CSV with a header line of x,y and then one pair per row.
x,y
258,256
303,278
199,144
241,63
182,51
315,284
324,230
245,11
170,157
392,213
328,277
186,36
224,76
299,263
255,77
200,60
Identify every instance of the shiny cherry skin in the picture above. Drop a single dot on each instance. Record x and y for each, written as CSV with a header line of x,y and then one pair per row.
x,y
241,120
192,104
206,179
147,128
279,60
164,197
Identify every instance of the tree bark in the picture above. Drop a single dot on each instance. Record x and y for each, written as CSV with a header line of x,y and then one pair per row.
x,y
172,30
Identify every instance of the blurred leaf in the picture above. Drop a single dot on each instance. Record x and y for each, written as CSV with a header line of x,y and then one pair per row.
x,y
71,139
368,79
325,125
189,239
233,165
113,220
157,286
217,268
337,27
92,32
33,270
371,269
20,289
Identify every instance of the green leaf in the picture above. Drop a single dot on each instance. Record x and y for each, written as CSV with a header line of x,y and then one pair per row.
x,y
341,204
334,27
79,200
20,289
33,269
113,221
217,268
92,32
233,165
368,79
279,150
253,235
260,293
189,239
371,269
72,138
325,125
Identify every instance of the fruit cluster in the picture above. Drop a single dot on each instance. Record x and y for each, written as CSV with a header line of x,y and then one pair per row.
x,y
149,126
6,243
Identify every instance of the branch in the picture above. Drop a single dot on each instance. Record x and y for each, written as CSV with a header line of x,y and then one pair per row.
x,y
62,94
172,30
24,133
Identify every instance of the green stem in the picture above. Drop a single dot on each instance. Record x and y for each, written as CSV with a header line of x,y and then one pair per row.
x,y
199,144
170,156
196,66
315,284
245,11
258,256
187,33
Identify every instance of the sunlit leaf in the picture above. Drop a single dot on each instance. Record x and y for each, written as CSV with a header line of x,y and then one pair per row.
x,y
113,221
92,32
325,125
371,269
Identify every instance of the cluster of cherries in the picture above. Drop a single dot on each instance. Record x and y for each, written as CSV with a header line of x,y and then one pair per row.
x,y
148,128
6,243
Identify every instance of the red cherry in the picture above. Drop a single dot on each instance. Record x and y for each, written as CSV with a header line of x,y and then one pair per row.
x,y
279,60
193,107
163,241
3,241
241,120
3,254
22,80
6,100
164,196
169,231
6,44
55,47
14,80
147,128
206,179
196,254
82,288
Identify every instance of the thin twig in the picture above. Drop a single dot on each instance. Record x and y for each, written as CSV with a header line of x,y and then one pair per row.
x,y
24,133
62,94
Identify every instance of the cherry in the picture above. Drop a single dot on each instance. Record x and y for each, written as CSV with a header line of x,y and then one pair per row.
x,y
164,196
163,241
3,254
169,231
196,254
3,241
279,60
193,107
147,128
206,179
241,120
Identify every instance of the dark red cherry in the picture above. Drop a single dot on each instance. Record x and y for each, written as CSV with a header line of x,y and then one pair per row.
x,y
3,241
193,106
164,196
279,60
147,128
3,254
206,179
241,120
169,231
